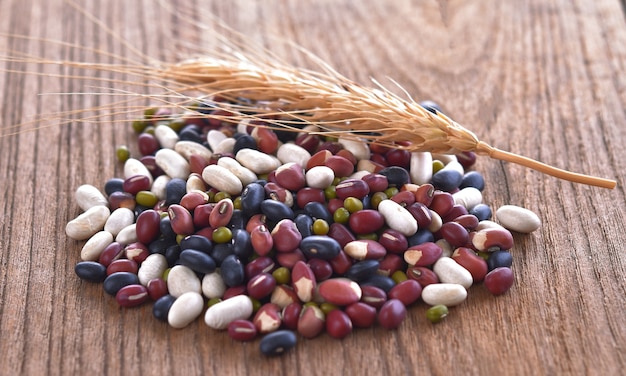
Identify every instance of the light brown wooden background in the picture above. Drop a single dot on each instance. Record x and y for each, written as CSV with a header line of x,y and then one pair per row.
x,y
543,78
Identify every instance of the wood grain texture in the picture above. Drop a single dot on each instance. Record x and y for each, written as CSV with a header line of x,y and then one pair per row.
x,y
544,79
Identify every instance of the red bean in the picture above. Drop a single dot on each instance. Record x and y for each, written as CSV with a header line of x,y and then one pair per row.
x,y
111,253
406,291
147,227
259,265
421,213
366,221
122,265
422,275
262,241
321,268
393,241
340,263
131,295
373,296
425,194
285,236
376,182
147,143
137,252
424,254
454,233
442,203
499,280
157,288
291,314
307,194
289,259
352,188
181,220
340,166
221,213
338,324
136,183
261,286
391,314
476,265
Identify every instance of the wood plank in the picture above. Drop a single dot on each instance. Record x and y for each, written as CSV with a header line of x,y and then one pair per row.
x,y
544,79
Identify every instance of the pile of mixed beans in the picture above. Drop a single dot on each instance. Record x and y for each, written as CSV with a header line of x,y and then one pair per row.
x,y
277,233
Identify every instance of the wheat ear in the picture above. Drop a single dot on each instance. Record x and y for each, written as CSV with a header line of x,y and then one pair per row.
x,y
344,109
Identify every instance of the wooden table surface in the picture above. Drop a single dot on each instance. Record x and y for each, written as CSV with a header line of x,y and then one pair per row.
x,y
542,78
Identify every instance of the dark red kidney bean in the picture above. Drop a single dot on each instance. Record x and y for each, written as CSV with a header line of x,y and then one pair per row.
x,y
366,221
499,259
308,194
261,286
340,263
468,221
181,220
338,324
362,269
425,194
341,234
114,282
361,315
289,259
391,314
373,296
467,258
421,213
161,307
91,271
148,226
121,200
150,162
321,269
352,188
285,236
136,183
232,270
341,166
261,240
259,265
381,281
242,330
318,246
499,280
404,198
376,182
122,265
157,288
442,203
132,296
391,263
197,261
454,233
111,253
147,143
408,292
251,198
197,242
456,211
393,241
291,314
278,342
422,275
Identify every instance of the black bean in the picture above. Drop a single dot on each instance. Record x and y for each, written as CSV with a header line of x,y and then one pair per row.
x,y
91,271
362,270
161,245
251,199
322,247
175,189
276,210
431,106
233,272
304,223
421,236
162,306
244,142
447,179
196,242
197,261
276,343
499,259
481,211
473,179
378,280
395,175
190,133
317,210
166,228
114,185
221,251
172,255
242,244
114,282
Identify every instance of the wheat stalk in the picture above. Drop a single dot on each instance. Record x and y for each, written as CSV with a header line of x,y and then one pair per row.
x,y
342,108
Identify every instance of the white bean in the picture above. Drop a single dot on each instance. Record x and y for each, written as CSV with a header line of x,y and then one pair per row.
x,y
293,153
214,137
242,173
222,179
152,267
213,285
359,149
448,294
88,196
127,235
182,279
218,316
397,217
319,177
185,310
88,223
450,271
516,218
421,170
166,135
172,163
257,161
189,148
95,245
159,186
468,197
120,218
134,167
